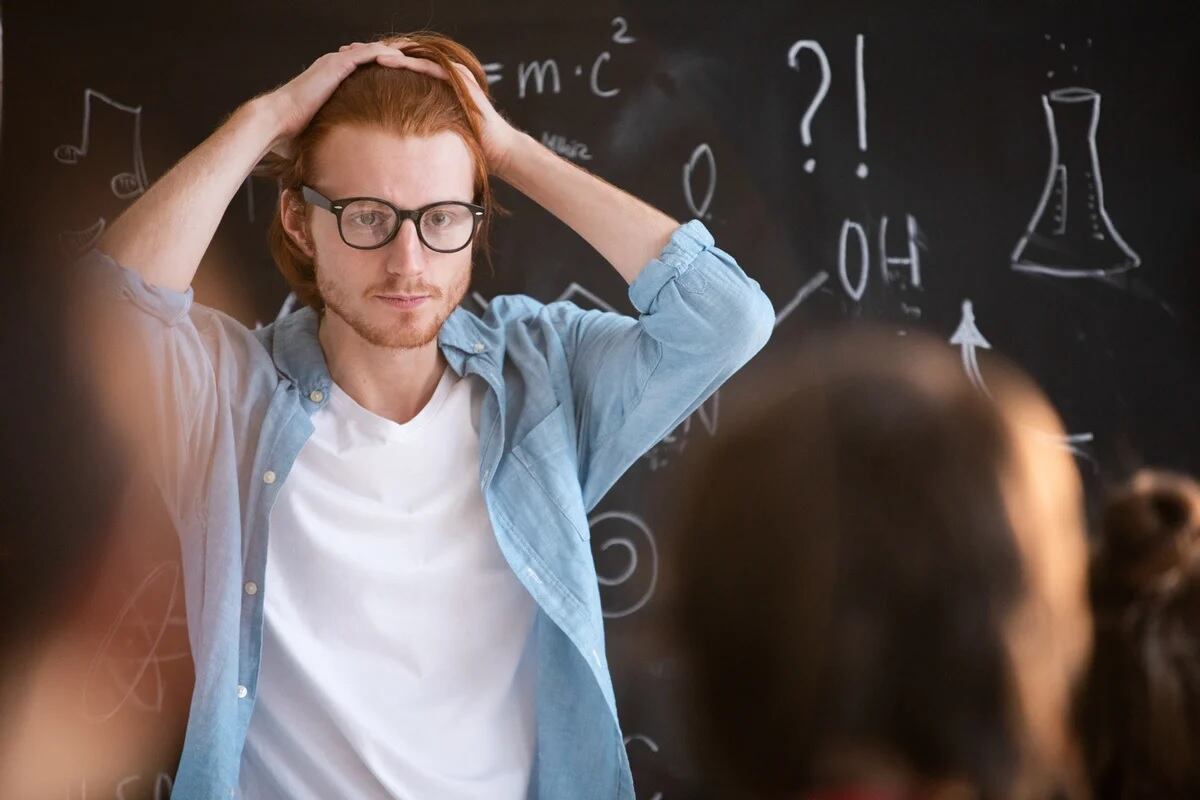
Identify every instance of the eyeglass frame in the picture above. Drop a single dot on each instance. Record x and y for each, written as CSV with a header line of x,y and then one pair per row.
x,y
336,207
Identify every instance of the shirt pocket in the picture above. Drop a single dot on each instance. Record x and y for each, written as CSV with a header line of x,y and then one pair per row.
x,y
547,454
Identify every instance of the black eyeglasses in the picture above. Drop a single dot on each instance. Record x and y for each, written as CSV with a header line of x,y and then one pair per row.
x,y
366,223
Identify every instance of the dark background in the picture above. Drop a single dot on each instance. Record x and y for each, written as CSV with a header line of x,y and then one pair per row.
x,y
956,137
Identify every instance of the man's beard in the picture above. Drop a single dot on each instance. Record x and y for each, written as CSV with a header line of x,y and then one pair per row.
x,y
401,335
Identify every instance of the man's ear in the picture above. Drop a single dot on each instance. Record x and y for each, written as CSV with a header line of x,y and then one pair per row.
x,y
292,211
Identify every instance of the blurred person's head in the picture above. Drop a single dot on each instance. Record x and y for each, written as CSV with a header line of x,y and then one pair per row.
x,y
1140,715
65,465
879,578
409,139
75,515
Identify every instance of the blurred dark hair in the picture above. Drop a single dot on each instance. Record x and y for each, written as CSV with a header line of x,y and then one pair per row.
x,y
845,567
1140,715
62,465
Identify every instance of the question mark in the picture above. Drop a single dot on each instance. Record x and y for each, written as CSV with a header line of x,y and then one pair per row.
x,y
806,121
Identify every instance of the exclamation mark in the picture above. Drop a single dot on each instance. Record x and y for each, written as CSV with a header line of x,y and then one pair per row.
x,y
861,86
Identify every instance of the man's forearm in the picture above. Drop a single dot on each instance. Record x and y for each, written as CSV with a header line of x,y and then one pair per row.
x,y
164,234
625,230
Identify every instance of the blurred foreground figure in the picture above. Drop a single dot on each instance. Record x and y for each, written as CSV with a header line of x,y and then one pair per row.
x,y
880,582
70,518
1141,712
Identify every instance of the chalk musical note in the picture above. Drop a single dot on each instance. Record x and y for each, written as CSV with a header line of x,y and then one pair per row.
x,y
72,243
125,185
634,525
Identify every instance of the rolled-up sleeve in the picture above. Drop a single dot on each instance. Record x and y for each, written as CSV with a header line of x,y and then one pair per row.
x,y
701,318
173,404
105,274
696,298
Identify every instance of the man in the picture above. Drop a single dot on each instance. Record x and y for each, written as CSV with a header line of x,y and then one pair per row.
x,y
423,619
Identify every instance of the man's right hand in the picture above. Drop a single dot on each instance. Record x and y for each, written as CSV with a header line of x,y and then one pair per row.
x,y
294,103
167,230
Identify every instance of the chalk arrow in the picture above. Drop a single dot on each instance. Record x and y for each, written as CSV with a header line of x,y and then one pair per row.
x,y
968,337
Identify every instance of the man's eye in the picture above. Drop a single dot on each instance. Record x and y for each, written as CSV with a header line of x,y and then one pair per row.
x,y
369,218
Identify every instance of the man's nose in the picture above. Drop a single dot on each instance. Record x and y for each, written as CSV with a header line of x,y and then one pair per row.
x,y
405,253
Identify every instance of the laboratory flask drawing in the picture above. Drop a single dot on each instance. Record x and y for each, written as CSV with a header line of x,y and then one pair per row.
x,y
1070,234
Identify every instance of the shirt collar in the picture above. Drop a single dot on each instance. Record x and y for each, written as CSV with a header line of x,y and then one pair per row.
x,y
296,349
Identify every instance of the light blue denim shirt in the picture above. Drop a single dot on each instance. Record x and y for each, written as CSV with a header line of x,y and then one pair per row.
x,y
575,398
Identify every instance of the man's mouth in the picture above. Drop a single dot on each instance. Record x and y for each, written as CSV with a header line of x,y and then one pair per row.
x,y
403,301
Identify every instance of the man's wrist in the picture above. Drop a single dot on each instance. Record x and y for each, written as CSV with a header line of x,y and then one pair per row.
x,y
517,156
260,114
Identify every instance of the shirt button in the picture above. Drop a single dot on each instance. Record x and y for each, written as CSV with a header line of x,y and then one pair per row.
x,y
242,691
251,587
269,476
479,347
316,395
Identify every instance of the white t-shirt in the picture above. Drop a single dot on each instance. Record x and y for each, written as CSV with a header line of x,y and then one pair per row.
x,y
397,656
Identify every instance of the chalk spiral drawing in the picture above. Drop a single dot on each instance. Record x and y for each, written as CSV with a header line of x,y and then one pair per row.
x,y
633,527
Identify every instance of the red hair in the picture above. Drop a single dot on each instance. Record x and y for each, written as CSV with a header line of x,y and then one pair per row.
x,y
398,101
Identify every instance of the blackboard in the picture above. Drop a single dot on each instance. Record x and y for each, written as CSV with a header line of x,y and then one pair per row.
x,y
1011,176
